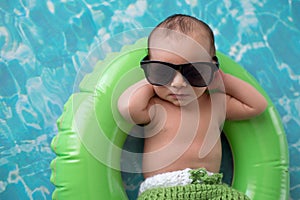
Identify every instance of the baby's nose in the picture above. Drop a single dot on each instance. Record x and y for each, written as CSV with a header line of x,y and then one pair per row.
x,y
178,81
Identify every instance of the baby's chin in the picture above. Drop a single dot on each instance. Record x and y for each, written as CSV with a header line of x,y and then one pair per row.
x,y
180,103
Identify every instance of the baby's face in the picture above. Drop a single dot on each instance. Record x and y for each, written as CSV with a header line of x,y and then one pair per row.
x,y
180,95
179,92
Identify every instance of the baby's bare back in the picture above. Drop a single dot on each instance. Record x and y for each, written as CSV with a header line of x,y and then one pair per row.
x,y
182,137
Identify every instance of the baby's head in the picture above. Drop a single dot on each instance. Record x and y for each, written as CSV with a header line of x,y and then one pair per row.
x,y
182,31
176,46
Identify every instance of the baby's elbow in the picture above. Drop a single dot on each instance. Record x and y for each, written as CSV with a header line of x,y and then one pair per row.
x,y
128,112
264,105
261,107
123,109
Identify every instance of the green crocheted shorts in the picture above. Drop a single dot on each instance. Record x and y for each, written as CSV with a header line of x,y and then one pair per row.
x,y
203,186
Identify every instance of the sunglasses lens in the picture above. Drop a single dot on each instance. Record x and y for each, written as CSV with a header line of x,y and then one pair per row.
x,y
158,73
199,74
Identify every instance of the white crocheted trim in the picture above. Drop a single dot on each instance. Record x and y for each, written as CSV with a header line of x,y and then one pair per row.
x,y
168,179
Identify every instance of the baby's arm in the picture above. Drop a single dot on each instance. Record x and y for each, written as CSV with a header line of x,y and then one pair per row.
x,y
243,100
135,102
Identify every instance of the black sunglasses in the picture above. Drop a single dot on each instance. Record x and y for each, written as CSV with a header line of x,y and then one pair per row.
x,y
198,74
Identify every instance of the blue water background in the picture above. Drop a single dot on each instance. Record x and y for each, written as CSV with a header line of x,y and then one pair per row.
x,y
43,44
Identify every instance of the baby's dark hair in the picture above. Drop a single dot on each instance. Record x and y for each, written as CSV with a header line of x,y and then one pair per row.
x,y
187,25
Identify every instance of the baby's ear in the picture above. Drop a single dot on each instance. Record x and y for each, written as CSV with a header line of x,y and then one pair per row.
x,y
215,60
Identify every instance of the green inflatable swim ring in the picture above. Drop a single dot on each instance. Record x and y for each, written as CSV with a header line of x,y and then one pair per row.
x,y
89,142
